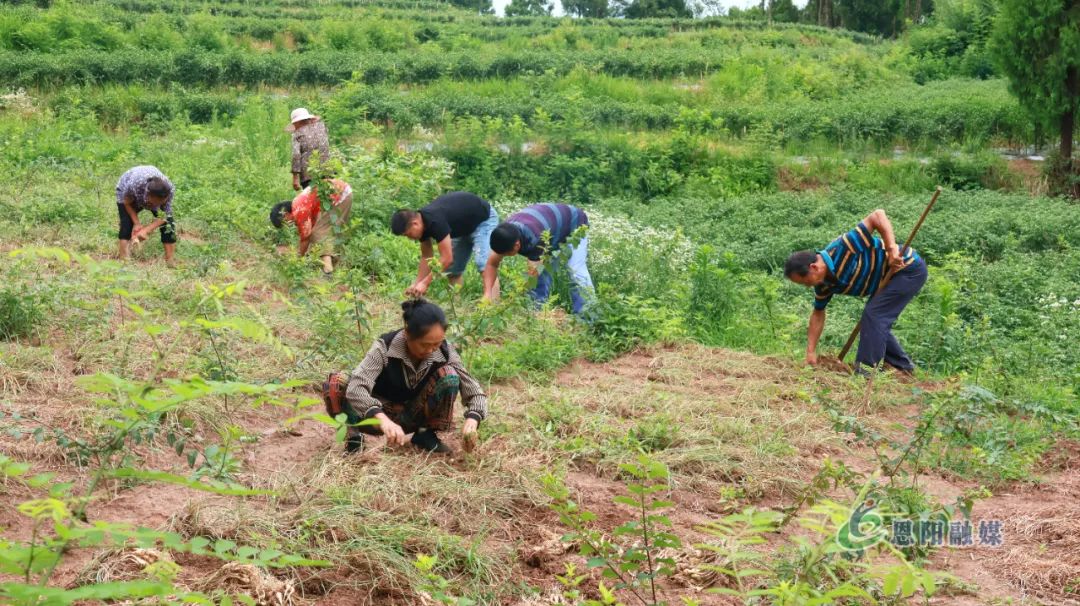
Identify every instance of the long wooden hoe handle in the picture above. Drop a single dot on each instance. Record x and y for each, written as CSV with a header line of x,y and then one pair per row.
x,y
889,275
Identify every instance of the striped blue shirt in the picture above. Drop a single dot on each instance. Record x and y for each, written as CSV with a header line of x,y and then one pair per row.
x,y
559,220
856,262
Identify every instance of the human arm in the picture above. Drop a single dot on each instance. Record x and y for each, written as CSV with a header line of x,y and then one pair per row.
x,y
878,221
491,274
304,228
297,158
424,275
129,208
144,231
813,334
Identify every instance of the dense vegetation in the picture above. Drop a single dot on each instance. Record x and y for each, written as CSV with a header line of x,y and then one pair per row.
x,y
704,151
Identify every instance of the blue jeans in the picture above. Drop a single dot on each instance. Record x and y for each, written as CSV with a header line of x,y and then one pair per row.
x,y
581,286
876,341
477,244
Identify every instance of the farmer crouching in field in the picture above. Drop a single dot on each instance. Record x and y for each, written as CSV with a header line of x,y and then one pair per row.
x,y
854,264
460,224
534,231
308,135
145,188
316,226
409,381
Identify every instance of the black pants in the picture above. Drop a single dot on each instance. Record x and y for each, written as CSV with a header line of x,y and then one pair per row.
x,y
168,230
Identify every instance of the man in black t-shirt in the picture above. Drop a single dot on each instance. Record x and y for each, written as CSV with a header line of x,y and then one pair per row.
x,y
460,223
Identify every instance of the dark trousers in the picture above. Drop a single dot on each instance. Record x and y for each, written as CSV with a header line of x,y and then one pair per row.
x,y
876,341
168,230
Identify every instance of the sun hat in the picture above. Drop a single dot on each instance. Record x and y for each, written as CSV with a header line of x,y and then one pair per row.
x,y
298,114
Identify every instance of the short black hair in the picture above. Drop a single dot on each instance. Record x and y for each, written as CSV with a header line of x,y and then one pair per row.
x,y
401,219
420,315
504,237
156,186
277,213
799,263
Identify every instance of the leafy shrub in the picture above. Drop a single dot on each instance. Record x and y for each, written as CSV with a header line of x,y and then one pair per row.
x,y
982,171
619,322
20,314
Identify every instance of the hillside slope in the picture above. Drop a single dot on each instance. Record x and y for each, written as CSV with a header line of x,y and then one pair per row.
x,y
733,428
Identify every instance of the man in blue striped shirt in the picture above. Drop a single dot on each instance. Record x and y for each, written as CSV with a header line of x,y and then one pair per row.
x,y
533,232
854,264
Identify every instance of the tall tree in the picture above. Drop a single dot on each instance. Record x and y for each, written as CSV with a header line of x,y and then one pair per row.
x,y
482,7
529,8
645,9
1037,45
585,8
783,11
881,17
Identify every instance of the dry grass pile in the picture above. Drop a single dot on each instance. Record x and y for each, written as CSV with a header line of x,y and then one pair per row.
x,y
235,578
213,519
127,564
1052,571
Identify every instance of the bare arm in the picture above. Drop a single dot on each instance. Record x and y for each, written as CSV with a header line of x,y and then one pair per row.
x,y
446,253
491,274
813,334
425,254
302,249
130,209
878,221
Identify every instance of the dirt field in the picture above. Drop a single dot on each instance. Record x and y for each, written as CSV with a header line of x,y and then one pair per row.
x,y
735,420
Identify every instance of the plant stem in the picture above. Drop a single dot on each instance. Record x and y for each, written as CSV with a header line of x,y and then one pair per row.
x,y
648,551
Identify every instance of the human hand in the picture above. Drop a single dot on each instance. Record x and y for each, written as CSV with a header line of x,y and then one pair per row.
x,y
469,437
416,290
296,182
393,432
896,260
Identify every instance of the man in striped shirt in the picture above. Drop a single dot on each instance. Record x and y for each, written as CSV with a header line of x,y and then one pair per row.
x,y
538,230
854,264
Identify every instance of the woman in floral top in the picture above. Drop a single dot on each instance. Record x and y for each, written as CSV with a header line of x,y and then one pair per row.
x,y
308,135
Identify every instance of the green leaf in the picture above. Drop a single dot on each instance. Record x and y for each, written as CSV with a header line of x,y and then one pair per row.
x,y
168,478
224,546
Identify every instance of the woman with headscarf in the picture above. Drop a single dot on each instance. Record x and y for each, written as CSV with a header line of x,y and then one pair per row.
x,y
409,381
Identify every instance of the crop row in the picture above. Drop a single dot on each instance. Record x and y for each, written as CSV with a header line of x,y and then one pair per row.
x,y
413,10
204,68
944,111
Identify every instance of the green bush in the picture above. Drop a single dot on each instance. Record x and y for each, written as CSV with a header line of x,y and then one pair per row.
x,y
21,314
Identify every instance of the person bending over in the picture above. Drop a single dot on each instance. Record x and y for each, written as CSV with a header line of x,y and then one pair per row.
x,y
409,381
145,188
316,227
524,233
854,264
459,223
